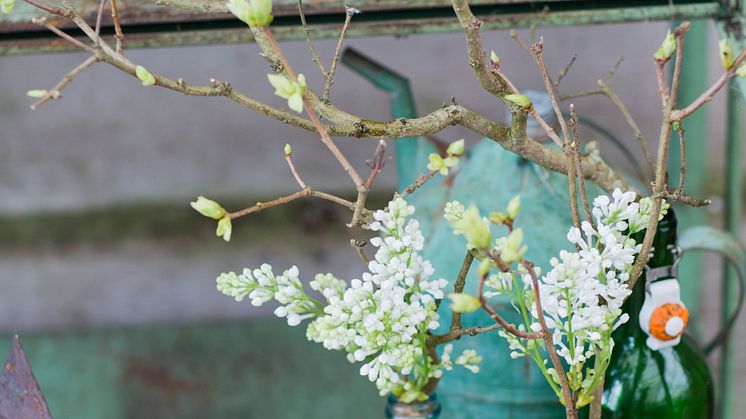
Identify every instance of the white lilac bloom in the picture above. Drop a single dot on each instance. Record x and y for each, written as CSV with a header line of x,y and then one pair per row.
x,y
583,292
381,320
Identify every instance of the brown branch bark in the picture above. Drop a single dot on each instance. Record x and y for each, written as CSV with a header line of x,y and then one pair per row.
x,y
570,410
475,50
261,206
118,33
56,91
576,155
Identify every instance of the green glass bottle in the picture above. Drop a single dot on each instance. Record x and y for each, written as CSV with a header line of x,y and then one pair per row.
x,y
671,382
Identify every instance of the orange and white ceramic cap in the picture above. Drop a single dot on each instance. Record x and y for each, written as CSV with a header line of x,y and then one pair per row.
x,y
663,315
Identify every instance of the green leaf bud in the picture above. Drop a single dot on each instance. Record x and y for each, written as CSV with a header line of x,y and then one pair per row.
x,y
224,229
456,148
208,208
667,48
144,75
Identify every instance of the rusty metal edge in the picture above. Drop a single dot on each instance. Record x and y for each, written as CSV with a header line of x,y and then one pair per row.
x,y
384,28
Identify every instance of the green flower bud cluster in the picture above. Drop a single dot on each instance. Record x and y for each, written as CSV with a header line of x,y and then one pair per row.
x,y
289,89
510,214
439,164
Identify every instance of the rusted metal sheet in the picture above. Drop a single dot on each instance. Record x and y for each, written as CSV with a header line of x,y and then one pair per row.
x,y
167,27
20,395
140,12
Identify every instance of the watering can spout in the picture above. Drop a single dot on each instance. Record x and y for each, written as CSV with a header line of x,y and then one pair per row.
x,y
411,152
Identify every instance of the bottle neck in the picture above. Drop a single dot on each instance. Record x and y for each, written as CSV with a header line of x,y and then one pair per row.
x,y
662,259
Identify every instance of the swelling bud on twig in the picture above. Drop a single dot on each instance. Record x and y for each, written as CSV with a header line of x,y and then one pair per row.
x,y
289,89
254,13
37,93
498,217
513,207
475,228
484,267
495,59
6,6
224,229
520,100
667,48
439,164
456,148
288,150
144,75
726,53
208,208
463,303
512,248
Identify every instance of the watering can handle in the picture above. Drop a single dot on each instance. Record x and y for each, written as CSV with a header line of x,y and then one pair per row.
x,y
411,152
718,241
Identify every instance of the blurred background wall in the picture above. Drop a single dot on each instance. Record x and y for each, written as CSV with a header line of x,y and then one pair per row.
x,y
97,233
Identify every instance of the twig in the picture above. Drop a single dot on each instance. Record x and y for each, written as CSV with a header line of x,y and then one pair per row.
x,y
582,93
596,408
358,246
537,49
421,180
50,9
359,208
608,90
260,206
376,165
349,12
325,138
475,49
551,132
100,13
301,183
519,41
613,70
571,187
45,22
678,33
660,73
680,196
458,287
570,409
311,48
566,69
575,146
507,327
682,149
56,91
118,34
707,95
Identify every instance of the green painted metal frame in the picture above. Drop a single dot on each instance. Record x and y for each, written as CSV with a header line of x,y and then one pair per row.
x,y
205,21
